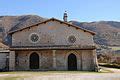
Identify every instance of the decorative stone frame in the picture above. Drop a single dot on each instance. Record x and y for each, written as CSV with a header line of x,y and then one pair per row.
x,y
77,57
71,37
39,59
31,40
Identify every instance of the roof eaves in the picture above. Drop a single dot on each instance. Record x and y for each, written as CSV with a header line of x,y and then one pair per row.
x,y
11,32
85,30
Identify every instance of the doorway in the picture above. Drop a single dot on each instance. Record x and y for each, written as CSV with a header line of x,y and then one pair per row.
x,y
34,61
72,62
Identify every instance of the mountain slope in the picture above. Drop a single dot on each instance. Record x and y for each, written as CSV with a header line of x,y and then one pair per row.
x,y
11,23
107,32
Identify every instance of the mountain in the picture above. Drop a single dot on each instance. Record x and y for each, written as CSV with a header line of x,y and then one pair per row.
x,y
11,23
107,32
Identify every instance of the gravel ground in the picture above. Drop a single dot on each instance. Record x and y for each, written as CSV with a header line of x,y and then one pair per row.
x,y
84,76
64,76
61,75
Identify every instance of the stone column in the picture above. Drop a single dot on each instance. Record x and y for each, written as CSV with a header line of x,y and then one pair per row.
x,y
95,60
54,60
81,65
79,60
12,60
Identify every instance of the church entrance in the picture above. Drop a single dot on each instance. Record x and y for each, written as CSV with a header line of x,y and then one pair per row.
x,y
72,62
34,61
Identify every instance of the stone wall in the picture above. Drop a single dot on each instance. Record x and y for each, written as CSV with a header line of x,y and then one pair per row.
x,y
88,60
52,33
45,59
57,61
3,59
22,60
62,59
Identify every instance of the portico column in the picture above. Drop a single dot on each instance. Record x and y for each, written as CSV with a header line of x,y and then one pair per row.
x,y
54,60
12,60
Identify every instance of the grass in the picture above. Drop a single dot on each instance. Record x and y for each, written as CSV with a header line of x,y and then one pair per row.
x,y
13,78
45,72
115,48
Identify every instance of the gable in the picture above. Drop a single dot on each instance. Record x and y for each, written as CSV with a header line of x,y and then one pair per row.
x,y
52,33
53,19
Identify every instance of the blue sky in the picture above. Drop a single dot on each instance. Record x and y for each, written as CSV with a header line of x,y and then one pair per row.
x,y
81,10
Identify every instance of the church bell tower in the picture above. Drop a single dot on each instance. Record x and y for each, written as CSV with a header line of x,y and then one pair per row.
x,y
65,16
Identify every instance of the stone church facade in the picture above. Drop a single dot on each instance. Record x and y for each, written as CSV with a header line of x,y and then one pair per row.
x,y
52,45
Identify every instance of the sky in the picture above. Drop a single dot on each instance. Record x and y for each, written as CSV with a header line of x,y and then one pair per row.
x,y
80,10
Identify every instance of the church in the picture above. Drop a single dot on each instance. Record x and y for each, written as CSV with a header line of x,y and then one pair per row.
x,y
52,45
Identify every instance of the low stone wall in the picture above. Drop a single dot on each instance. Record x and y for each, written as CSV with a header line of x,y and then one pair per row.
x,y
3,60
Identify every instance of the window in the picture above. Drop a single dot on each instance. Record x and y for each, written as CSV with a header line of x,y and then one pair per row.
x,y
34,37
71,39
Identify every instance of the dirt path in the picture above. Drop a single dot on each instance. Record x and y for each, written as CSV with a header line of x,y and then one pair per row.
x,y
112,69
64,76
86,76
59,75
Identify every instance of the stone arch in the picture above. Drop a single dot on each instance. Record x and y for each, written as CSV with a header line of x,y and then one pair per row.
x,y
77,57
72,62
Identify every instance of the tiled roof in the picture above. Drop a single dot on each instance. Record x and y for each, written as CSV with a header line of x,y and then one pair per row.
x,y
3,45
